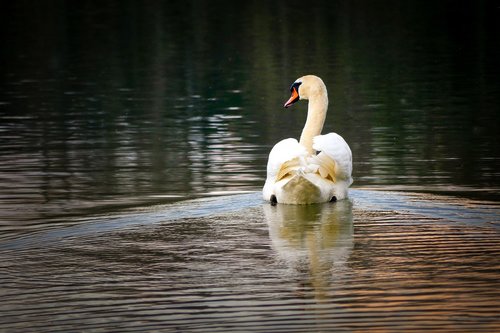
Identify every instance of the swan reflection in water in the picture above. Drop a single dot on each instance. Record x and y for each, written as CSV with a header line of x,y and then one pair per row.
x,y
313,241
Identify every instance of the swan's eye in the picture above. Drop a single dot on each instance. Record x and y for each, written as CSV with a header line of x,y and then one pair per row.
x,y
296,86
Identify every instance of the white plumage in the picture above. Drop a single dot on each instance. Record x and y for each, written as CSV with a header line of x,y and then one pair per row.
x,y
296,174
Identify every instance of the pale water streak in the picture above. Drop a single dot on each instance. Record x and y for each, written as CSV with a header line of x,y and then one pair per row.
x,y
375,262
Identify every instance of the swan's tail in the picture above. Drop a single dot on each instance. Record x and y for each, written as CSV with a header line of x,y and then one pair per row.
x,y
300,181
299,190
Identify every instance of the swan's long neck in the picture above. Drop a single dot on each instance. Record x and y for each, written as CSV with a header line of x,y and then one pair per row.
x,y
316,114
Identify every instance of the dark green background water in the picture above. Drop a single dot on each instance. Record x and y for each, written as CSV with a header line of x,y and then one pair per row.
x,y
115,101
106,105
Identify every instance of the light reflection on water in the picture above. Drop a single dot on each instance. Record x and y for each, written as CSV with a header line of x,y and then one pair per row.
x,y
314,241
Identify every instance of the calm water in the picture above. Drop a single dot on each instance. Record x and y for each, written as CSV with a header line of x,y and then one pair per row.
x,y
133,144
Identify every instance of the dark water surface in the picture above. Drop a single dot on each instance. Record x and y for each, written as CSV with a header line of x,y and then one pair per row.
x,y
124,127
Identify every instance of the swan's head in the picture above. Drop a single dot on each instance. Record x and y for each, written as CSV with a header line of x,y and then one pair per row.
x,y
304,88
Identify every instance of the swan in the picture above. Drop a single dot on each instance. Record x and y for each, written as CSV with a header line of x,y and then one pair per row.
x,y
318,167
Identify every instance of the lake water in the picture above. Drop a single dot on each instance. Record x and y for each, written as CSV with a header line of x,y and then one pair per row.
x,y
133,144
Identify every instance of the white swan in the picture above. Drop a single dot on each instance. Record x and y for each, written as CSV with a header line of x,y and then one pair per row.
x,y
295,173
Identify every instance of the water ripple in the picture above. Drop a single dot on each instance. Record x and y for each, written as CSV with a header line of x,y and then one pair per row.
x,y
224,264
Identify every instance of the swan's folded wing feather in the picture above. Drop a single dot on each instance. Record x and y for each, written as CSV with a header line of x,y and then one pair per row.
x,y
285,155
335,148
287,168
326,167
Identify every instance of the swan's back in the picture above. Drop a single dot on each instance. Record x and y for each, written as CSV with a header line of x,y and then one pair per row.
x,y
295,177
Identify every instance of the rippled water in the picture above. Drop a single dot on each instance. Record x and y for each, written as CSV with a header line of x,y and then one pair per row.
x,y
133,144
378,261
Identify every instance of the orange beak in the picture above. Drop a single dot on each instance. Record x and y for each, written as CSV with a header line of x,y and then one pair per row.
x,y
294,98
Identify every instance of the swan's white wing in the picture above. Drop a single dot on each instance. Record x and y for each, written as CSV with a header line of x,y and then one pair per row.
x,y
285,156
335,148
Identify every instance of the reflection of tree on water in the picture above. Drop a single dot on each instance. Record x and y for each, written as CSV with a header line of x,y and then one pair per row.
x,y
314,241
